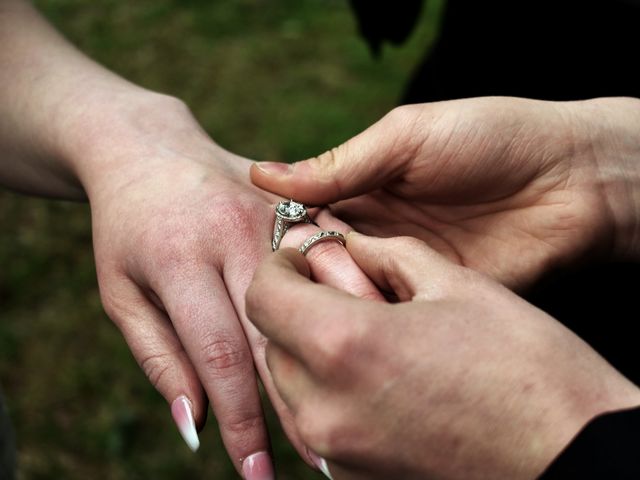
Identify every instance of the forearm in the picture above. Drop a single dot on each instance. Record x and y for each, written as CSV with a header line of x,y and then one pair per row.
x,y
56,106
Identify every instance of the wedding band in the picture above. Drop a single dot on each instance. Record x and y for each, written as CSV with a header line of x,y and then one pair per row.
x,y
288,213
321,236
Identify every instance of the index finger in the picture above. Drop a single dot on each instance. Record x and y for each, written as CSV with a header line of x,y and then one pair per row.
x,y
294,312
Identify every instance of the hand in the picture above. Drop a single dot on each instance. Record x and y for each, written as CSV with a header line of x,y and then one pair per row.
x,y
462,380
178,228
505,186
178,232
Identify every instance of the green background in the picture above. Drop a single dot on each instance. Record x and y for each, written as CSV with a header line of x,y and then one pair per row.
x,y
270,80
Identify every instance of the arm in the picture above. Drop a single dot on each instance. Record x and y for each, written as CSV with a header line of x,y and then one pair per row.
x,y
47,90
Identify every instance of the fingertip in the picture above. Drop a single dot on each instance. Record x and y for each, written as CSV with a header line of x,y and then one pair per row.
x,y
306,181
184,416
398,264
370,255
356,243
276,169
270,175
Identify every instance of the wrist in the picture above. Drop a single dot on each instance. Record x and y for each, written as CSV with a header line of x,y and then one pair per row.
x,y
613,135
119,136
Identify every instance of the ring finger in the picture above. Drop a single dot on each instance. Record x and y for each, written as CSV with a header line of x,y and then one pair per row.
x,y
329,261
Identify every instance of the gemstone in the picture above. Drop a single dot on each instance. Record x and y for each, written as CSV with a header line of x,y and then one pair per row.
x,y
291,209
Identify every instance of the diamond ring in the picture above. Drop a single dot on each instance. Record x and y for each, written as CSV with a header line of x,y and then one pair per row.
x,y
321,236
288,213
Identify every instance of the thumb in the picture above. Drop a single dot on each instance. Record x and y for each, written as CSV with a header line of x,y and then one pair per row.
x,y
405,266
368,161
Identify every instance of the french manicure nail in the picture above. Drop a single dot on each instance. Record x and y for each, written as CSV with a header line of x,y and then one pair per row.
x,y
183,416
321,463
258,467
274,168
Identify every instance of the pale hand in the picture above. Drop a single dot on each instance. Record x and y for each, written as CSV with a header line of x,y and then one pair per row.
x,y
178,232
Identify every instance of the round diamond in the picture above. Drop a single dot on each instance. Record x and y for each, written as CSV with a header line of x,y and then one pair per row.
x,y
291,209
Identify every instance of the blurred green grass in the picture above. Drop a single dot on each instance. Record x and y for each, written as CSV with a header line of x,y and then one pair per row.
x,y
268,80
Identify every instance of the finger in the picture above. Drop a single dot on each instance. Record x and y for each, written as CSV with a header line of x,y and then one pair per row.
x,y
160,354
296,388
238,272
200,309
296,313
404,265
329,262
368,161
289,377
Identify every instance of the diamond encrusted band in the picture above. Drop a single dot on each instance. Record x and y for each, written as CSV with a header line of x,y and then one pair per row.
x,y
321,236
288,213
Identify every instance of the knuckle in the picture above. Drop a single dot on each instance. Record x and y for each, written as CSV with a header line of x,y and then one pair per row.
x,y
224,356
169,244
472,280
328,159
241,424
233,217
327,167
313,431
370,295
323,430
156,367
406,243
404,123
110,304
179,236
337,349
116,302
404,117
399,115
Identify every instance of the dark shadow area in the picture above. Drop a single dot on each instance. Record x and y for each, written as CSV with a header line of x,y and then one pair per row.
x,y
548,49
7,448
599,303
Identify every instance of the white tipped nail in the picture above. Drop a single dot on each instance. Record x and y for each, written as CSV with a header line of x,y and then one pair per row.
x,y
258,467
183,416
324,468
321,463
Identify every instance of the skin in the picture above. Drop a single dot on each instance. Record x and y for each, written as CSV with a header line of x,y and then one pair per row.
x,y
178,228
507,186
461,379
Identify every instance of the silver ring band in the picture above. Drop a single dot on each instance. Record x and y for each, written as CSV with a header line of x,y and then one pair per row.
x,y
319,237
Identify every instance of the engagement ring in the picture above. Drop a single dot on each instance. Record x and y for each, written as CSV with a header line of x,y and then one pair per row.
x,y
288,213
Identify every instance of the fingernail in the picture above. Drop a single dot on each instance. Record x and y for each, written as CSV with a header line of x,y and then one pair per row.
x,y
274,168
351,236
258,467
321,463
183,416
